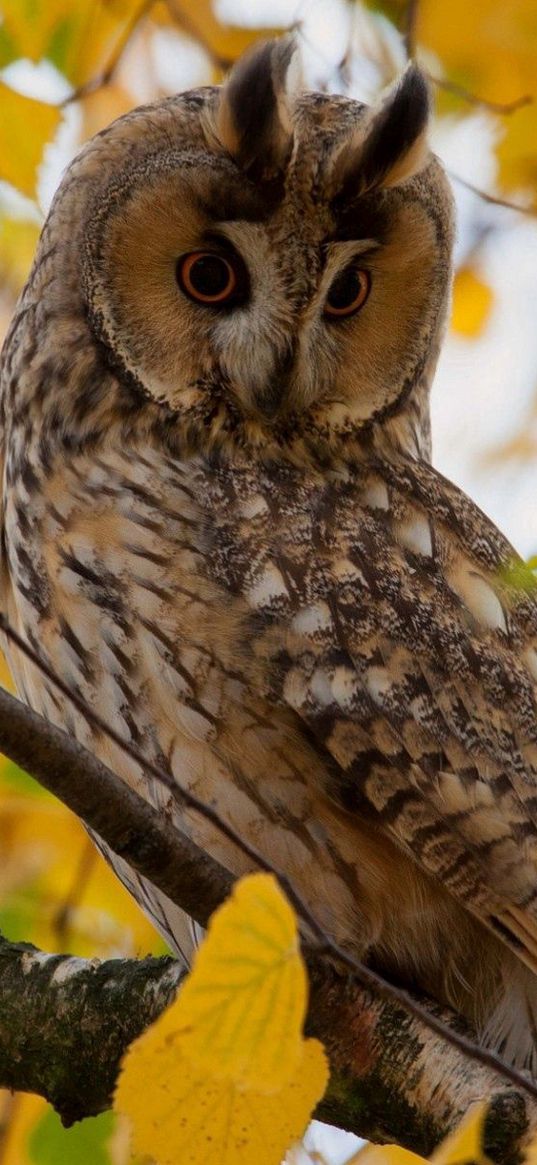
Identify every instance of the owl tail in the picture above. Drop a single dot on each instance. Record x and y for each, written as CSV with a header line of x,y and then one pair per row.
x,y
511,1027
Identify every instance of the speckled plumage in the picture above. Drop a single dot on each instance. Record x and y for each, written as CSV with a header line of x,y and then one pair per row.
x,y
223,531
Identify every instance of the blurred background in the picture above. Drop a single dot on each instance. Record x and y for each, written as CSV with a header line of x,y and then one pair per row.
x,y
68,68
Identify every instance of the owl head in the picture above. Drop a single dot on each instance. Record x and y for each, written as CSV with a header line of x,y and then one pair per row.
x,y
250,262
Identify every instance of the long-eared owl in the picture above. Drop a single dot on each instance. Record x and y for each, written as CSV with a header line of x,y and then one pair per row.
x,y
221,527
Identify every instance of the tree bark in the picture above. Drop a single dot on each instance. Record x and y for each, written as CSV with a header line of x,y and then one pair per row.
x,y
66,1022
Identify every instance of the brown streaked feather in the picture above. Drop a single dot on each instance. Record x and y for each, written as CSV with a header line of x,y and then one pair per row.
x,y
390,629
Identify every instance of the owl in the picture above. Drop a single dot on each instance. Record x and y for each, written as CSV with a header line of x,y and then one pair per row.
x,y
222,529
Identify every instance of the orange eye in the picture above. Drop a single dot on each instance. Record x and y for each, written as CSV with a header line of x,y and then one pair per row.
x,y
208,278
348,292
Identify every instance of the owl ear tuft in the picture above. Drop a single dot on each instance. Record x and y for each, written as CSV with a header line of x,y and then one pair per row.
x,y
392,146
253,118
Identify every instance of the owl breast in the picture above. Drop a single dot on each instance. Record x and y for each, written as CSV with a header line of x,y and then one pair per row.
x,y
114,567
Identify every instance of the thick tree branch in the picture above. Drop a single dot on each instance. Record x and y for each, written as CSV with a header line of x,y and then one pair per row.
x,y
66,1022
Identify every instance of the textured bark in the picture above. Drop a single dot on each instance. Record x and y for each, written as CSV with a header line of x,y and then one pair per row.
x,y
64,1022
392,1079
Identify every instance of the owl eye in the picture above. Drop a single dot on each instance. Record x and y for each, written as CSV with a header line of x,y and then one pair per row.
x,y
348,292
209,278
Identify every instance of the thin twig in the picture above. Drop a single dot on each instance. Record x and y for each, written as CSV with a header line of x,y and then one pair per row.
x,y
196,33
505,108
62,920
105,76
410,21
365,976
491,198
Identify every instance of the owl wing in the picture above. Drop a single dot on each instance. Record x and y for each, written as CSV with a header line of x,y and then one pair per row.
x,y
401,628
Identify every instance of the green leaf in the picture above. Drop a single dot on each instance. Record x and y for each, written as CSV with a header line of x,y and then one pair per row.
x,y
17,779
8,48
83,1144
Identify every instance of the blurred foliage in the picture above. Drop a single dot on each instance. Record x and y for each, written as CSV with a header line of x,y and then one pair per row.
x,y
55,890
485,50
472,303
489,48
20,150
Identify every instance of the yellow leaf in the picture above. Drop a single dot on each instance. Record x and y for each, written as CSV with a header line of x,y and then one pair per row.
x,y
19,1114
516,151
18,240
530,1156
194,1118
242,1009
465,1144
197,18
102,107
31,26
232,1080
489,47
94,32
46,883
25,128
79,37
472,303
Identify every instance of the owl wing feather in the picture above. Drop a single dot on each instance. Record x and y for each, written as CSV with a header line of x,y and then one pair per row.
x,y
400,626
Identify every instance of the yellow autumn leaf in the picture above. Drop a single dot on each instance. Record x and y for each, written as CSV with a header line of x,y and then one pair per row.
x,y
54,885
472,303
31,26
26,126
530,1156
18,239
517,150
489,48
240,1013
465,1144
192,1117
19,1114
94,32
197,18
78,37
232,1080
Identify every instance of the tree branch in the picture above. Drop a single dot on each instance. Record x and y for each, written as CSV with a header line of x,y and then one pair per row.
x,y
66,1022
491,199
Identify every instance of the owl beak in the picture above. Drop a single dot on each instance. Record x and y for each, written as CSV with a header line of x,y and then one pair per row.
x,y
269,398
